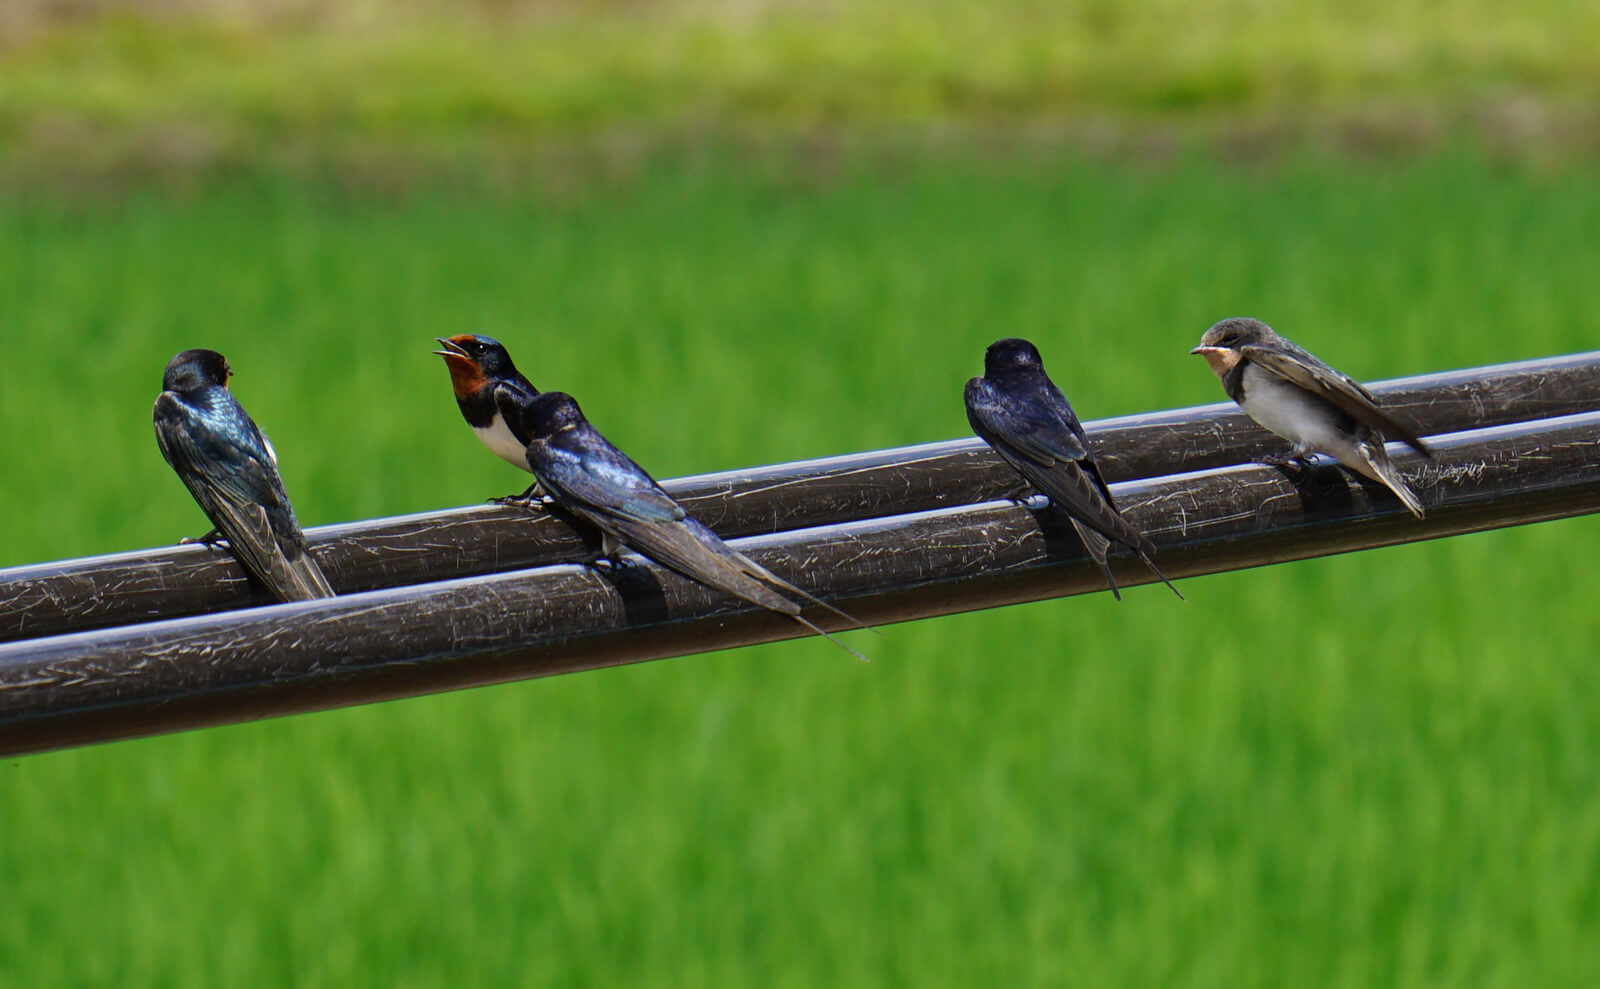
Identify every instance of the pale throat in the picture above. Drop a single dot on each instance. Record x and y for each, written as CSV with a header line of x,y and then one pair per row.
x,y
1222,361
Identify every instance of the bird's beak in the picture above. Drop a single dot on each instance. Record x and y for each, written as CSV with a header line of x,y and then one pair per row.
x,y
451,350
1221,359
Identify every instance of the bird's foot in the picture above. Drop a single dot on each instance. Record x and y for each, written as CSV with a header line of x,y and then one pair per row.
x,y
1019,495
209,540
518,501
532,497
608,562
1296,463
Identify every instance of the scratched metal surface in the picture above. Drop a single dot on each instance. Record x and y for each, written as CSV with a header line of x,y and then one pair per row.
x,y
100,592
286,659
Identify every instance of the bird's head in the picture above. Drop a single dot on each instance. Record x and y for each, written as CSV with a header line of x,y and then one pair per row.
x,y
1011,354
1221,344
474,360
193,370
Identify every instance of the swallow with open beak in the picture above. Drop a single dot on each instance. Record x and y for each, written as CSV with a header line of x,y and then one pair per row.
x,y
487,384
1019,411
1287,390
232,472
581,472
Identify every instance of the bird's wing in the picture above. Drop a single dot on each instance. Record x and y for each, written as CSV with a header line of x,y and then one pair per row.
x,y
1046,451
239,491
1297,366
588,473
1073,490
753,569
585,474
1042,432
698,553
608,489
691,549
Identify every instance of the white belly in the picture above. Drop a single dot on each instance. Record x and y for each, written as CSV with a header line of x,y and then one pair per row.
x,y
1290,412
497,437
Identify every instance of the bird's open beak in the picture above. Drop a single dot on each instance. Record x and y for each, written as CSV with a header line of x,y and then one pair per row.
x,y
451,350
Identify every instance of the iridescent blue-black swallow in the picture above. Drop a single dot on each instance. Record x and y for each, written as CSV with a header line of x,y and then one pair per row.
x,y
1019,411
487,384
232,472
583,473
1287,390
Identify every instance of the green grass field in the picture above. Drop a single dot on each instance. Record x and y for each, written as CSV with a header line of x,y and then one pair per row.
x,y
101,86
1372,769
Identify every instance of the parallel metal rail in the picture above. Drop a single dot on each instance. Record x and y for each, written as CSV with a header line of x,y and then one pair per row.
x,y
104,591
890,536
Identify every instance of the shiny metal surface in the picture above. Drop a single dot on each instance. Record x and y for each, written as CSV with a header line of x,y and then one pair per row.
x,y
100,592
285,659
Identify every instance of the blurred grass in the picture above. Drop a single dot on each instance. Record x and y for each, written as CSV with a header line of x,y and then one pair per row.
x,y
186,82
1376,768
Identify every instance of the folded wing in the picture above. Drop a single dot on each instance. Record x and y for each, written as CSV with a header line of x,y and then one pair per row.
x,y
1053,457
240,492
1345,393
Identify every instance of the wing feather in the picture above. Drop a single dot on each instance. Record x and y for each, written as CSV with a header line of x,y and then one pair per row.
x,y
1045,436
586,472
1298,367
238,491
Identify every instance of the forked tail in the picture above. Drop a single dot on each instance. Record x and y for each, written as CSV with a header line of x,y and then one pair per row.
x,y
767,576
817,629
1097,547
1157,571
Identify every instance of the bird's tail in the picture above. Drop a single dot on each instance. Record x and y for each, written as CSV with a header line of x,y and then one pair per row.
x,y
763,574
695,551
766,576
1375,463
817,629
302,580
1098,546
1157,571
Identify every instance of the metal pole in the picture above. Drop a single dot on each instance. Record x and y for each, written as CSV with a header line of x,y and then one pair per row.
x,y
285,659
100,592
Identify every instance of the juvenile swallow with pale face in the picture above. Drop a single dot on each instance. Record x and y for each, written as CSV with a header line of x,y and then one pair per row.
x,y
581,472
1016,409
1287,390
487,384
232,472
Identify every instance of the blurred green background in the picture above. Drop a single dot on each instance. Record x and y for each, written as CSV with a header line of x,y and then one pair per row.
x,y
752,231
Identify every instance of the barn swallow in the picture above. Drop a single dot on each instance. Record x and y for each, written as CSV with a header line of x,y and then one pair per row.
x,y
1285,389
1016,409
584,474
232,472
486,383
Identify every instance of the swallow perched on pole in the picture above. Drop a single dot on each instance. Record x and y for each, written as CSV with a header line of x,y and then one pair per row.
x,y
1295,395
232,472
583,473
1016,409
487,384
